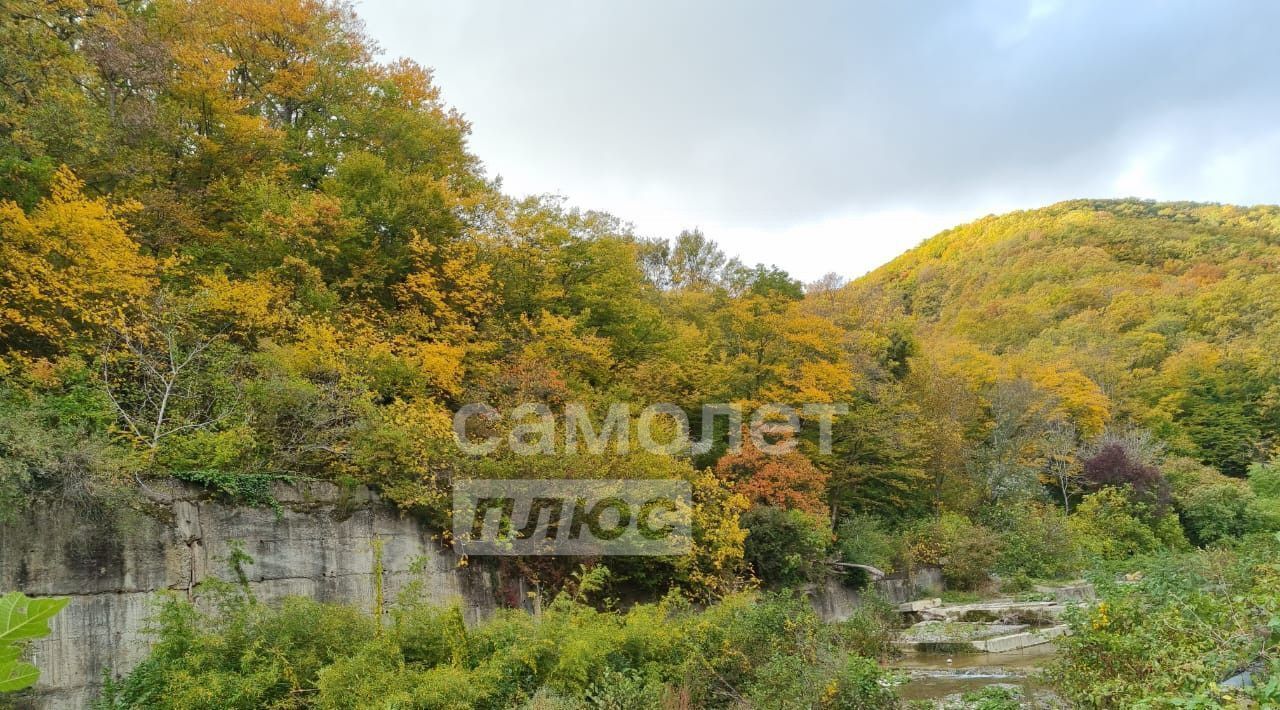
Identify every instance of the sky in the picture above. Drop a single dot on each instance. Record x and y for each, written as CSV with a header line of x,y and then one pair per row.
x,y
832,136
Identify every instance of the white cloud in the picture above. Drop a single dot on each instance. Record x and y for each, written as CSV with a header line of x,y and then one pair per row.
x,y
828,136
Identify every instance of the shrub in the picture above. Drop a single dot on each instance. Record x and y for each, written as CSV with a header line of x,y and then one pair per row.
x,y
229,449
1035,542
863,539
1114,465
967,551
624,689
769,647
55,443
870,630
1264,479
993,697
793,683
1186,474
1218,511
1168,639
1213,507
785,547
1265,514
1108,525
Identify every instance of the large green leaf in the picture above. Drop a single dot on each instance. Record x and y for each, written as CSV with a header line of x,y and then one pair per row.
x,y
21,619
24,618
16,675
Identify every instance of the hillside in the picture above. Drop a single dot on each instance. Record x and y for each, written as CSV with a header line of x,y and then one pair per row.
x,y
241,254
1171,309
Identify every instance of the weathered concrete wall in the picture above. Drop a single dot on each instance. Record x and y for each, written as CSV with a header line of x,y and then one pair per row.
x,y
834,601
320,546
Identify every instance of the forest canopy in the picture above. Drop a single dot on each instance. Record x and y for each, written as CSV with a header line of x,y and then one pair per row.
x,y
240,247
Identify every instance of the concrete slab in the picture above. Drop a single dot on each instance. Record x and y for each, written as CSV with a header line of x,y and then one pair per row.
x,y
997,611
919,605
1015,642
1076,592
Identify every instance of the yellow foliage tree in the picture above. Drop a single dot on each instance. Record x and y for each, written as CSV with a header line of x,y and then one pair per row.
x,y
68,271
1082,400
247,308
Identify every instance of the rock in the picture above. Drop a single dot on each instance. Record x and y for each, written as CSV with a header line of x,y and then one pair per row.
x,y
958,637
997,611
1243,679
1238,682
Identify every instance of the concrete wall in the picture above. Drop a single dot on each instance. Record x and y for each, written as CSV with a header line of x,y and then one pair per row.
x,y
834,601
319,546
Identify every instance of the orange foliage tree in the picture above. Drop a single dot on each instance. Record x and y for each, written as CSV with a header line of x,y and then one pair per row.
x,y
789,481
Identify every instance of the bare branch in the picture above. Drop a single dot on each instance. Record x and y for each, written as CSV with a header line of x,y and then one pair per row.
x,y
106,381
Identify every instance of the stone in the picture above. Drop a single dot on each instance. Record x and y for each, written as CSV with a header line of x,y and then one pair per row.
x,y
952,637
836,601
997,611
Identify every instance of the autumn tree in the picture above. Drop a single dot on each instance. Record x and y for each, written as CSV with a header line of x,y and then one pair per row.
x,y
788,480
69,271
1118,466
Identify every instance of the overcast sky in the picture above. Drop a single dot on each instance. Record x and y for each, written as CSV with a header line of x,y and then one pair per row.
x,y
832,136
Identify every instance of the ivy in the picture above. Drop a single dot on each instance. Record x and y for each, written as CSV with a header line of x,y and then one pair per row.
x,y
244,488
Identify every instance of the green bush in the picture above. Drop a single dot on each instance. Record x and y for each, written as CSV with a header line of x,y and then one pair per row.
x,y
863,539
1218,511
1167,640
795,683
967,551
1264,479
1108,525
1035,542
302,654
785,547
1212,506
1265,514
1186,474
870,629
56,443
993,698
207,449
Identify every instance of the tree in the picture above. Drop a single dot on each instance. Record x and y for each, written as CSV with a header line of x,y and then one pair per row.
x,y
877,460
696,263
788,481
1117,466
1061,466
1079,398
1009,460
69,272
949,415
152,377
786,547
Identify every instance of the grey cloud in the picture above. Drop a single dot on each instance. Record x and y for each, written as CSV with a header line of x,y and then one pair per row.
x,y
780,112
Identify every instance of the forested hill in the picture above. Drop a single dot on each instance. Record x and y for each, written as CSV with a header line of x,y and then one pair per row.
x,y
238,247
1170,310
